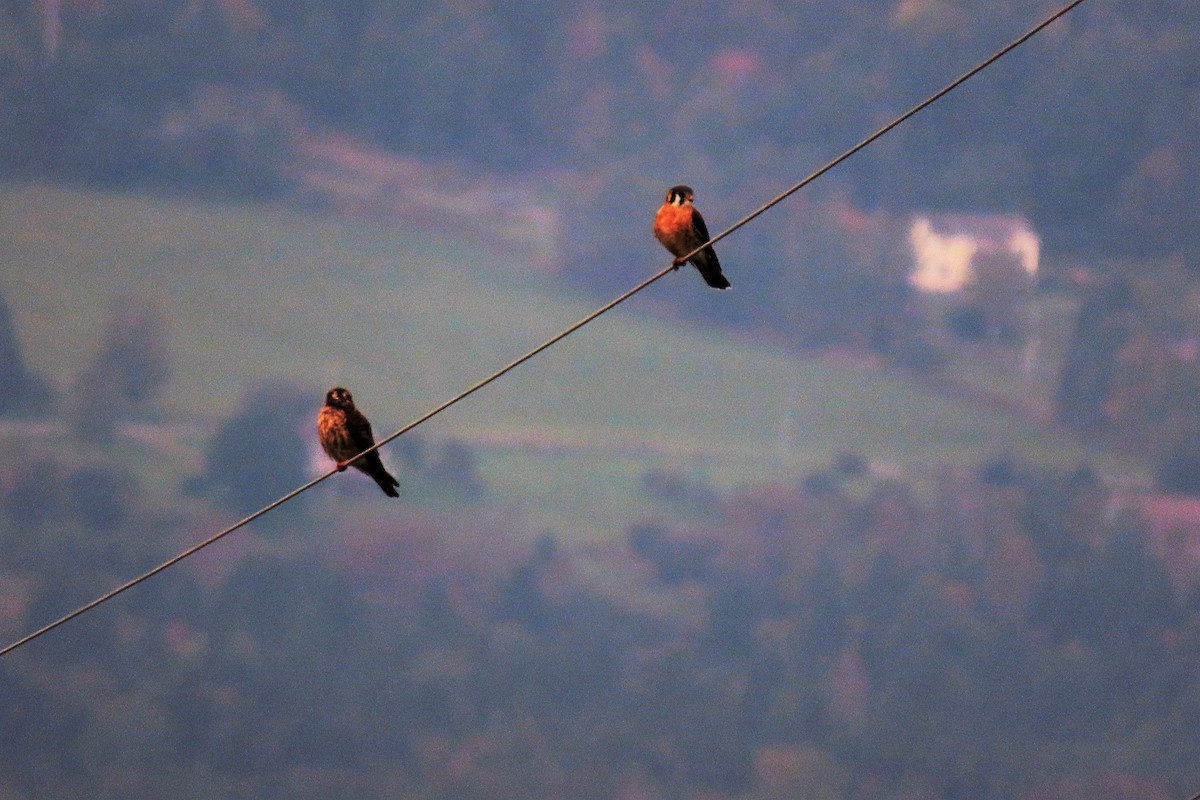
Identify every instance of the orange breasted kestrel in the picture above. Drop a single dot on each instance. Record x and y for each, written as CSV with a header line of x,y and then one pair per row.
x,y
681,229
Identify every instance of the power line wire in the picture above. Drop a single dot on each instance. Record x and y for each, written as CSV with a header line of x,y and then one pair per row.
x,y
420,420
912,112
193,549
966,76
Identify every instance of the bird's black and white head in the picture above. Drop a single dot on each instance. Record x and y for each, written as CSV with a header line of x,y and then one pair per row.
x,y
338,397
680,195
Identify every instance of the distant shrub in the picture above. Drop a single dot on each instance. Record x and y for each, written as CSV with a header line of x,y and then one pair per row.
x,y
1179,471
99,496
457,468
260,453
35,493
24,392
127,374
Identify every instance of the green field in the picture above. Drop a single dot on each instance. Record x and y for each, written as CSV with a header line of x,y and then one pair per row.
x,y
408,318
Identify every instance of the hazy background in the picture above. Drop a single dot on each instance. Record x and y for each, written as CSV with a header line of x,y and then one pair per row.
x,y
826,535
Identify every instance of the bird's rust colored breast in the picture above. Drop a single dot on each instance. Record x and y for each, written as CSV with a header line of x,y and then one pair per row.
x,y
673,226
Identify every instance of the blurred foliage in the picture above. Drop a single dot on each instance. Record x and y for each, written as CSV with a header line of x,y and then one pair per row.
x,y
997,633
128,372
991,637
25,393
261,453
1086,130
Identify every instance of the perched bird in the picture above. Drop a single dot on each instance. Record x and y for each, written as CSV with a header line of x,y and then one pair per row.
x,y
345,433
681,229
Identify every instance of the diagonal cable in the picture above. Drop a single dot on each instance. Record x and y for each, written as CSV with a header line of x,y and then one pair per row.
x,y
295,492
966,76
912,112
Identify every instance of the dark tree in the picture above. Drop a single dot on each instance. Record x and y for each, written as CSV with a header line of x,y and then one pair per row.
x,y
261,453
34,495
24,392
1179,471
99,496
1102,327
127,374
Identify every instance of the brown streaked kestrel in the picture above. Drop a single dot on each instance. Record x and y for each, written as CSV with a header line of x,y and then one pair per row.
x,y
345,433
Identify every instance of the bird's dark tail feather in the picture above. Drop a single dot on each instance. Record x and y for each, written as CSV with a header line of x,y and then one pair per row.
x,y
710,269
386,482
717,281
374,467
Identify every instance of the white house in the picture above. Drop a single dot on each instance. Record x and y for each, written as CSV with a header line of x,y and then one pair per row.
x,y
951,251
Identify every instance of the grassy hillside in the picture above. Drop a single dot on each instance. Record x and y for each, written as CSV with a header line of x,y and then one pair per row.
x,y
408,318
